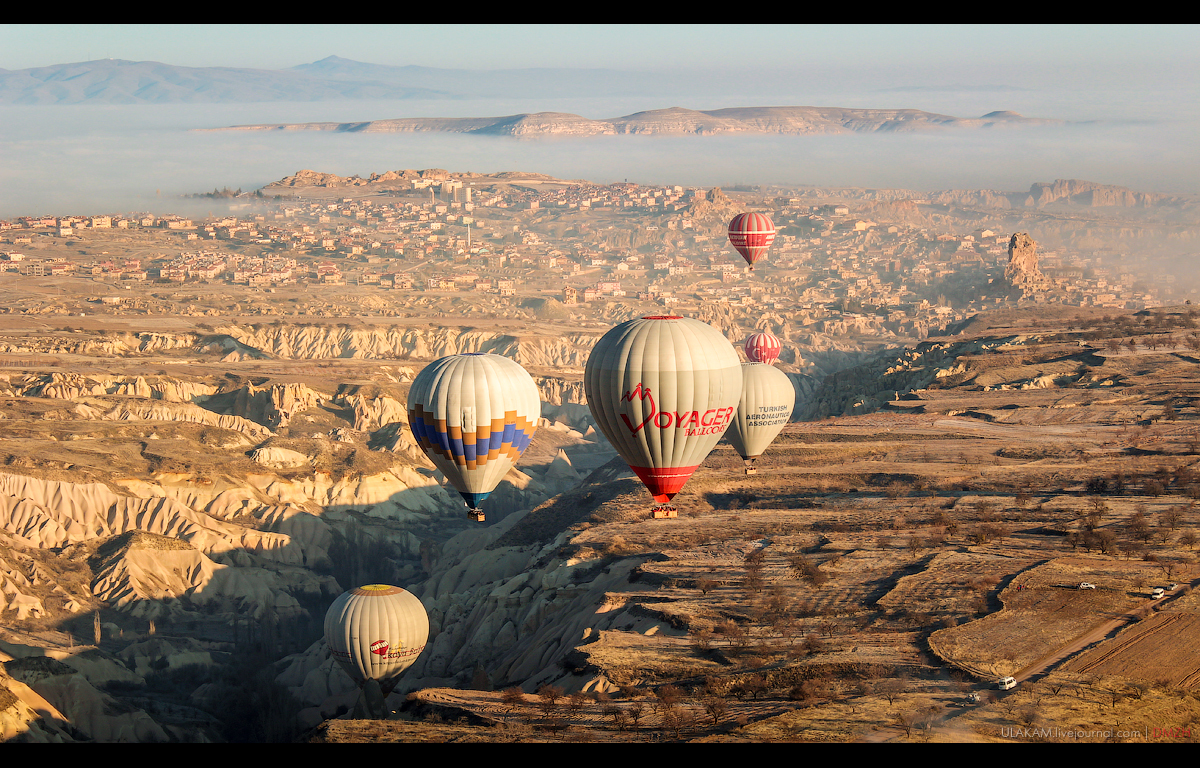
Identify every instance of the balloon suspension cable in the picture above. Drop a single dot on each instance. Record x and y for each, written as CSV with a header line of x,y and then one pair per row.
x,y
664,510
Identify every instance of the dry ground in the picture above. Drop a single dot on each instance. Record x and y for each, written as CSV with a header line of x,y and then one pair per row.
x,y
949,541
877,568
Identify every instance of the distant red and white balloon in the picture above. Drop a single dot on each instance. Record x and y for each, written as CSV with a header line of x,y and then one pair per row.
x,y
751,234
762,347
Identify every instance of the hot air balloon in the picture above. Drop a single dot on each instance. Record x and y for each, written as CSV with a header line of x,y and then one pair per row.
x,y
765,407
762,347
473,415
376,632
751,234
663,389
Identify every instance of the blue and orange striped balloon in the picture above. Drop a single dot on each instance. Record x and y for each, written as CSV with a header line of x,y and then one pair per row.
x,y
473,415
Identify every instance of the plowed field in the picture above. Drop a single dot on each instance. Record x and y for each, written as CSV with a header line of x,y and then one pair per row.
x,y
1162,647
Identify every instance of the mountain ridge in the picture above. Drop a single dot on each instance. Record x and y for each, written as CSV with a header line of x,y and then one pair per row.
x,y
120,81
787,120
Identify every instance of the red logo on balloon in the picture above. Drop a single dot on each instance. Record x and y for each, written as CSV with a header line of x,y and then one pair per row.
x,y
712,421
642,394
379,647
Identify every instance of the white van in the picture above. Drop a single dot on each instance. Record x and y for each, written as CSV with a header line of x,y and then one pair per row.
x,y
1006,683
1157,593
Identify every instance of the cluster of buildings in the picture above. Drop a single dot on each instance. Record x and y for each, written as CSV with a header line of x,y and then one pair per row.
x,y
584,243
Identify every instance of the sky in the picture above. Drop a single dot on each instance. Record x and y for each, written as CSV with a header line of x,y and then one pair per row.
x,y
1031,54
1130,93
1070,72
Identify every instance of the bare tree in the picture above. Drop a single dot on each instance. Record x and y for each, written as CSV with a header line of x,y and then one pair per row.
x,y
812,643
513,697
549,694
636,710
669,695
575,702
891,689
755,684
905,721
915,545
620,718
1115,690
716,707
677,720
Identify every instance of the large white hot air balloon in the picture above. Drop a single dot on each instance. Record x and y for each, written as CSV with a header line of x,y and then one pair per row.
x,y
376,632
473,415
766,406
663,389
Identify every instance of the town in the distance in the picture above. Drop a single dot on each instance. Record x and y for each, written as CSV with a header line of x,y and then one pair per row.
x,y
430,243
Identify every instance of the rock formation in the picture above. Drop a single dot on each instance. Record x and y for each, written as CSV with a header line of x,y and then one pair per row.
x,y
1089,193
673,121
1022,271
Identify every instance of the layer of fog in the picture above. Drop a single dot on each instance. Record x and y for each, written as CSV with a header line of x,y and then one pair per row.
x,y
89,159
115,157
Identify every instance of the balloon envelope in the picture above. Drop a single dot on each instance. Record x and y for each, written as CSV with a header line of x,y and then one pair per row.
x,y
663,389
765,408
762,347
473,415
751,234
376,632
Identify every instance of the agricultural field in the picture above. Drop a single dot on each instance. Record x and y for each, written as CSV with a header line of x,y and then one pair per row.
x,y
1159,649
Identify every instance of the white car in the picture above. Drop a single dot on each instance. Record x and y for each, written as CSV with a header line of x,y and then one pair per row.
x,y
1086,585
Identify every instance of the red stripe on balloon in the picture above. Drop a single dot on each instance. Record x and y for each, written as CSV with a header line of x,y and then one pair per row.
x,y
664,483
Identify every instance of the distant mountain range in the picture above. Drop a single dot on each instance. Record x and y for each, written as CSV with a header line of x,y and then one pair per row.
x,y
676,121
116,81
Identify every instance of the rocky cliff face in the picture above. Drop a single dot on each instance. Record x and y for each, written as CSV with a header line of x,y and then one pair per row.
x,y
679,121
1089,193
308,178
301,342
979,198
714,211
114,344
71,386
503,602
867,387
1022,271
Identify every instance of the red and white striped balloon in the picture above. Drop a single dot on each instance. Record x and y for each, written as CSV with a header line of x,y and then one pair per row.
x,y
762,347
751,234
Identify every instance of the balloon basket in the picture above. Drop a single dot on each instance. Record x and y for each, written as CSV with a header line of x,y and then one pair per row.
x,y
751,470
664,511
475,514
